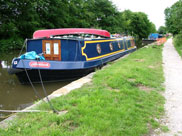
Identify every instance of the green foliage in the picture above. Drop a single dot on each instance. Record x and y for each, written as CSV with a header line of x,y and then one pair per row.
x,y
165,129
123,99
173,17
162,30
178,43
137,24
140,25
10,44
19,19
127,17
152,28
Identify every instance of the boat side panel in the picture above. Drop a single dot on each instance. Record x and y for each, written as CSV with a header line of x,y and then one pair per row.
x,y
125,44
129,44
70,50
50,65
89,48
104,60
66,65
34,45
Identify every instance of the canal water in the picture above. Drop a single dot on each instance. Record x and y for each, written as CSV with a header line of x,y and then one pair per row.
x,y
15,96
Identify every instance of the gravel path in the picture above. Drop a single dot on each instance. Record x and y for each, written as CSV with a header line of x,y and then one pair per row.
x,y
173,94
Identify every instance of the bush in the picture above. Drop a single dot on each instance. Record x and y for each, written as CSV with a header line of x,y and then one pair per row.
x,y
178,43
10,44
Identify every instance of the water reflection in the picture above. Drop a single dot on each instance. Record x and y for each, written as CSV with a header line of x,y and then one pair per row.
x,y
14,95
4,64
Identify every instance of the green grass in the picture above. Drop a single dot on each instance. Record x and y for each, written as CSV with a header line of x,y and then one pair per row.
x,y
164,128
123,100
178,43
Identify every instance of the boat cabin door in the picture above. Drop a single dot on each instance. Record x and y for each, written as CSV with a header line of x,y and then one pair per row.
x,y
51,49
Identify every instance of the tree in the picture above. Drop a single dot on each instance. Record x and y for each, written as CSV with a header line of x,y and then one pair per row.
x,y
173,17
162,30
152,28
7,19
127,16
19,19
140,25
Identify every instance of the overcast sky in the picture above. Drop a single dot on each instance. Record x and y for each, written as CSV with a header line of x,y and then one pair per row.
x,y
153,8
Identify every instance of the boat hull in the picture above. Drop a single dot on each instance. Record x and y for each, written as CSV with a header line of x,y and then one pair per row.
x,y
51,75
63,71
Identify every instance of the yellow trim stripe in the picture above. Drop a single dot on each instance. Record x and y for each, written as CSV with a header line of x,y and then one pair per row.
x,y
93,58
105,55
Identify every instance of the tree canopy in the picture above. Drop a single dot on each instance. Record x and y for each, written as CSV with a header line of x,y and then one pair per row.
x,y
19,19
162,30
173,17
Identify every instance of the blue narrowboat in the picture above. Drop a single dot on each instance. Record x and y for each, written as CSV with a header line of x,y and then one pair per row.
x,y
68,53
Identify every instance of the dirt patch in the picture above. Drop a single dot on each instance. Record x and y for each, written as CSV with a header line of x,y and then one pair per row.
x,y
89,83
62,112
144,88
151,130
155,66
111,89
139,60
152,67
131,80
69,124
114,90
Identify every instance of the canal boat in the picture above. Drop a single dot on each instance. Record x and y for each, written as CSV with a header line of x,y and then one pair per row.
x,y
68,53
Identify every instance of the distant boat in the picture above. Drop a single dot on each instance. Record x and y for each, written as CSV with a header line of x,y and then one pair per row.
x,y
68,53
154,37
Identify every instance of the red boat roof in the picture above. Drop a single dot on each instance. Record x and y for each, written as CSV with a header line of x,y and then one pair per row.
x,y
52,32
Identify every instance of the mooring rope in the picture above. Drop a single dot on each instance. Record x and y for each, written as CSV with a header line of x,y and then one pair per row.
x,y
45,92
25,42
35,91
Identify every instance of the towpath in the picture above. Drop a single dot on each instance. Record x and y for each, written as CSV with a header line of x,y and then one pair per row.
x,y
172,64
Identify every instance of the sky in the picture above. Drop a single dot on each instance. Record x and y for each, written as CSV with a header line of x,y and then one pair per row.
x,y
153,8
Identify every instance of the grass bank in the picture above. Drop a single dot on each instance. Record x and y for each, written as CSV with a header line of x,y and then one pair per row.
x,y
178,43
123,100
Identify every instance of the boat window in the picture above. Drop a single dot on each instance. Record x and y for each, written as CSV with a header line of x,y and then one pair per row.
x,y
132,43
111,46
126,43
51,49
48,48
123,44
129,43
56,49
98,48
119,45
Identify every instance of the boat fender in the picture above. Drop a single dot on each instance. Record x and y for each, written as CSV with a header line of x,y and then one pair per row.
x,y
32,55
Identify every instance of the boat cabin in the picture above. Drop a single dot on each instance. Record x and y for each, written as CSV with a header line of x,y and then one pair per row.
x,y
76,44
